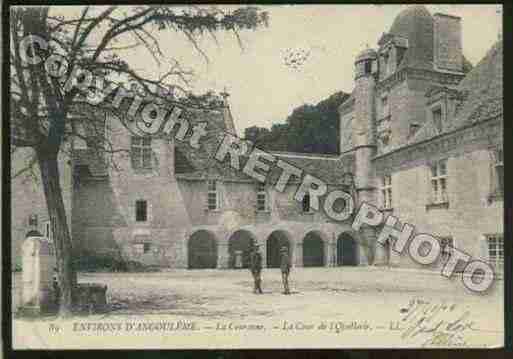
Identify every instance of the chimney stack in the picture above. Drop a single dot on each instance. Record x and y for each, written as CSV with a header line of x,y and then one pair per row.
x,y
447,43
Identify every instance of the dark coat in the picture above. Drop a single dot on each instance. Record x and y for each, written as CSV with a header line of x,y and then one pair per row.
x,y
285,262
255,263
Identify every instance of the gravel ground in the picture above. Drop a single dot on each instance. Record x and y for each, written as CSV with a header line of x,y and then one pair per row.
x,y
318,294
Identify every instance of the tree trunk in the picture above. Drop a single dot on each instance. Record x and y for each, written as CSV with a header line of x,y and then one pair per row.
x,y
61,236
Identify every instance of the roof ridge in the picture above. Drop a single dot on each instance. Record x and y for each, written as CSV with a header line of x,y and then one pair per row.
x,y
324,156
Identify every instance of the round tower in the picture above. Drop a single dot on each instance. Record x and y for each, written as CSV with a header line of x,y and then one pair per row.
x,y
363,123
363,133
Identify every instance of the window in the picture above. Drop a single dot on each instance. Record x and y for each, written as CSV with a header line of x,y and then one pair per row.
x,y
386,65
261,197
32,220
384,137
384,106
437,118
306,203
498,172
138,248
141,152
446,247
439,182
390,66
495,250
141,211
48,230
146,247
386,192
368,67
212,197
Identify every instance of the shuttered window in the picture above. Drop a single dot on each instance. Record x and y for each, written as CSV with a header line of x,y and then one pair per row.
x,y
141,211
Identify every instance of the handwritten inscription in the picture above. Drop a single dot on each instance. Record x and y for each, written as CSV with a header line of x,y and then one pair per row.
x,y
438,324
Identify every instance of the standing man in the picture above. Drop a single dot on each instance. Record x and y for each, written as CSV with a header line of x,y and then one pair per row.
x,y
255,266
285,269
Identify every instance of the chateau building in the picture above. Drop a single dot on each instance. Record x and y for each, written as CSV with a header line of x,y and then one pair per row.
x,y
421,135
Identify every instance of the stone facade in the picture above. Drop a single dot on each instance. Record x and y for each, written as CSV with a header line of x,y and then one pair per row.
x,y
416,102
429,108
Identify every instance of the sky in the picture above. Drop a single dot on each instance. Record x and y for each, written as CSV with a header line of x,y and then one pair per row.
x,y
264,89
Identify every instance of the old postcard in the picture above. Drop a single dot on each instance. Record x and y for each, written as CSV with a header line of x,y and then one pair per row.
x,y
285,176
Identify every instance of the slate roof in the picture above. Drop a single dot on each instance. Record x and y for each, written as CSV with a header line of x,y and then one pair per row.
x,y
415,23
482,88
328,168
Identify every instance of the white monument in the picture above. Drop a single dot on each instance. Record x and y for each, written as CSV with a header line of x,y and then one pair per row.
x,y
38,262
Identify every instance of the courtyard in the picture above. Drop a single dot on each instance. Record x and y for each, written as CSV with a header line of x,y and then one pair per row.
x,y
218,302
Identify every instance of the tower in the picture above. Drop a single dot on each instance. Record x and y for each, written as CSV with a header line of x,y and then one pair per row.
x,y
363,131
364,141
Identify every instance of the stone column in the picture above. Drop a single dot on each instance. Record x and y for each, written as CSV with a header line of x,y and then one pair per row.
x,y
328,260
334,253
238,259
395,258
263,251
298,254
367,247
380,254
363,255
223,256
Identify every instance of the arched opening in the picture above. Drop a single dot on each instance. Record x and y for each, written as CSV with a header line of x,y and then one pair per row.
x,y
239,247
202,250
313,250
275,241
347,250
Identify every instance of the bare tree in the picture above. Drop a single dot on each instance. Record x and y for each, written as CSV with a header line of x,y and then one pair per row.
x,y
44,108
